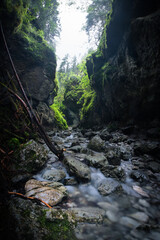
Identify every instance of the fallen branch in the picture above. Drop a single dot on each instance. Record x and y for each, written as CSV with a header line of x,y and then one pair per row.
x,y
55,150
31,198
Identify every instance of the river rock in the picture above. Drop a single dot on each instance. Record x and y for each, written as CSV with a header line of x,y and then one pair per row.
x,y
52,193
105,135
139,176
146,147
154,166
114,172
76,148
32,157
140,216
88,214
129,222
113,157
54,175
77,168
96,144
108,186
96,159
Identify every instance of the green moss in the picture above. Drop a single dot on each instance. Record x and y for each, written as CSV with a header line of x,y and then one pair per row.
x,y
57,228
89,100
58,116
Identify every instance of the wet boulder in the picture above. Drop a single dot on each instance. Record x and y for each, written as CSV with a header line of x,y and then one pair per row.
x,y
51,193
77,168
31,158
54,175
108,186
96,159
89,214
96,144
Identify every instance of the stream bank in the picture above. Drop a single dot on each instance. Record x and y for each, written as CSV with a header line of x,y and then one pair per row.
x,y
106,187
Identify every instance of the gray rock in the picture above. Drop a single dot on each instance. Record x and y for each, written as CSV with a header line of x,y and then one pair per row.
x,y
113,171
108,206
88,214
140,216
77,168
96,160
105,135
76,148
113,157
96,144
139,176
54,175
108,186
154,166
32,157
112,216
129,222
46,114
144,203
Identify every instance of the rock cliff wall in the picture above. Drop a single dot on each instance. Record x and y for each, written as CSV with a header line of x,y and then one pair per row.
x,y
125,69
34,59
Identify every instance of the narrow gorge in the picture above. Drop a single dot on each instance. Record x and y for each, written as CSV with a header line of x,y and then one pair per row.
x,y
81,159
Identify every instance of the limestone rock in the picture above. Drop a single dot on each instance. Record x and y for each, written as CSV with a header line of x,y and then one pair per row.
x,y
45,191
108,186
96,144
129,222
88,214
54,175
77,168
96,159
32,157
140,216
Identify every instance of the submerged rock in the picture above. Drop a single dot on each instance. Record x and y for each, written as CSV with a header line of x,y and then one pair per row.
x,y
50,193
77,168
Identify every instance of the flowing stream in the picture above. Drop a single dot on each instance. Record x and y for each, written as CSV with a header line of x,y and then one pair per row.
x,y
131,199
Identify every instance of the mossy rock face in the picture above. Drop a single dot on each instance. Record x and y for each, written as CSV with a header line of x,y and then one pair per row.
x,y
31,158
40,223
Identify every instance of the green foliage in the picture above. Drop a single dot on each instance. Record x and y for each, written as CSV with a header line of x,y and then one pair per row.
x,y
14,143
89,101
58,116
96,17
75,90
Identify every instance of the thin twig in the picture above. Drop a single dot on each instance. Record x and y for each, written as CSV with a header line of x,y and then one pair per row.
x,y
31,198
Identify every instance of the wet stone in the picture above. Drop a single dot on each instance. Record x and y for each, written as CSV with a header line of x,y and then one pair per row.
x,y
140,216
129,222
96,144
54,175
96,159
45,191
108,186
88,214
77,168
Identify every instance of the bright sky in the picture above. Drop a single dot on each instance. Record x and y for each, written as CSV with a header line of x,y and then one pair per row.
x,y
72,40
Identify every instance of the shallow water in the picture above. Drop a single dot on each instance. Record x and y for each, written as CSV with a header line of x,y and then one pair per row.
x,y
118,205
